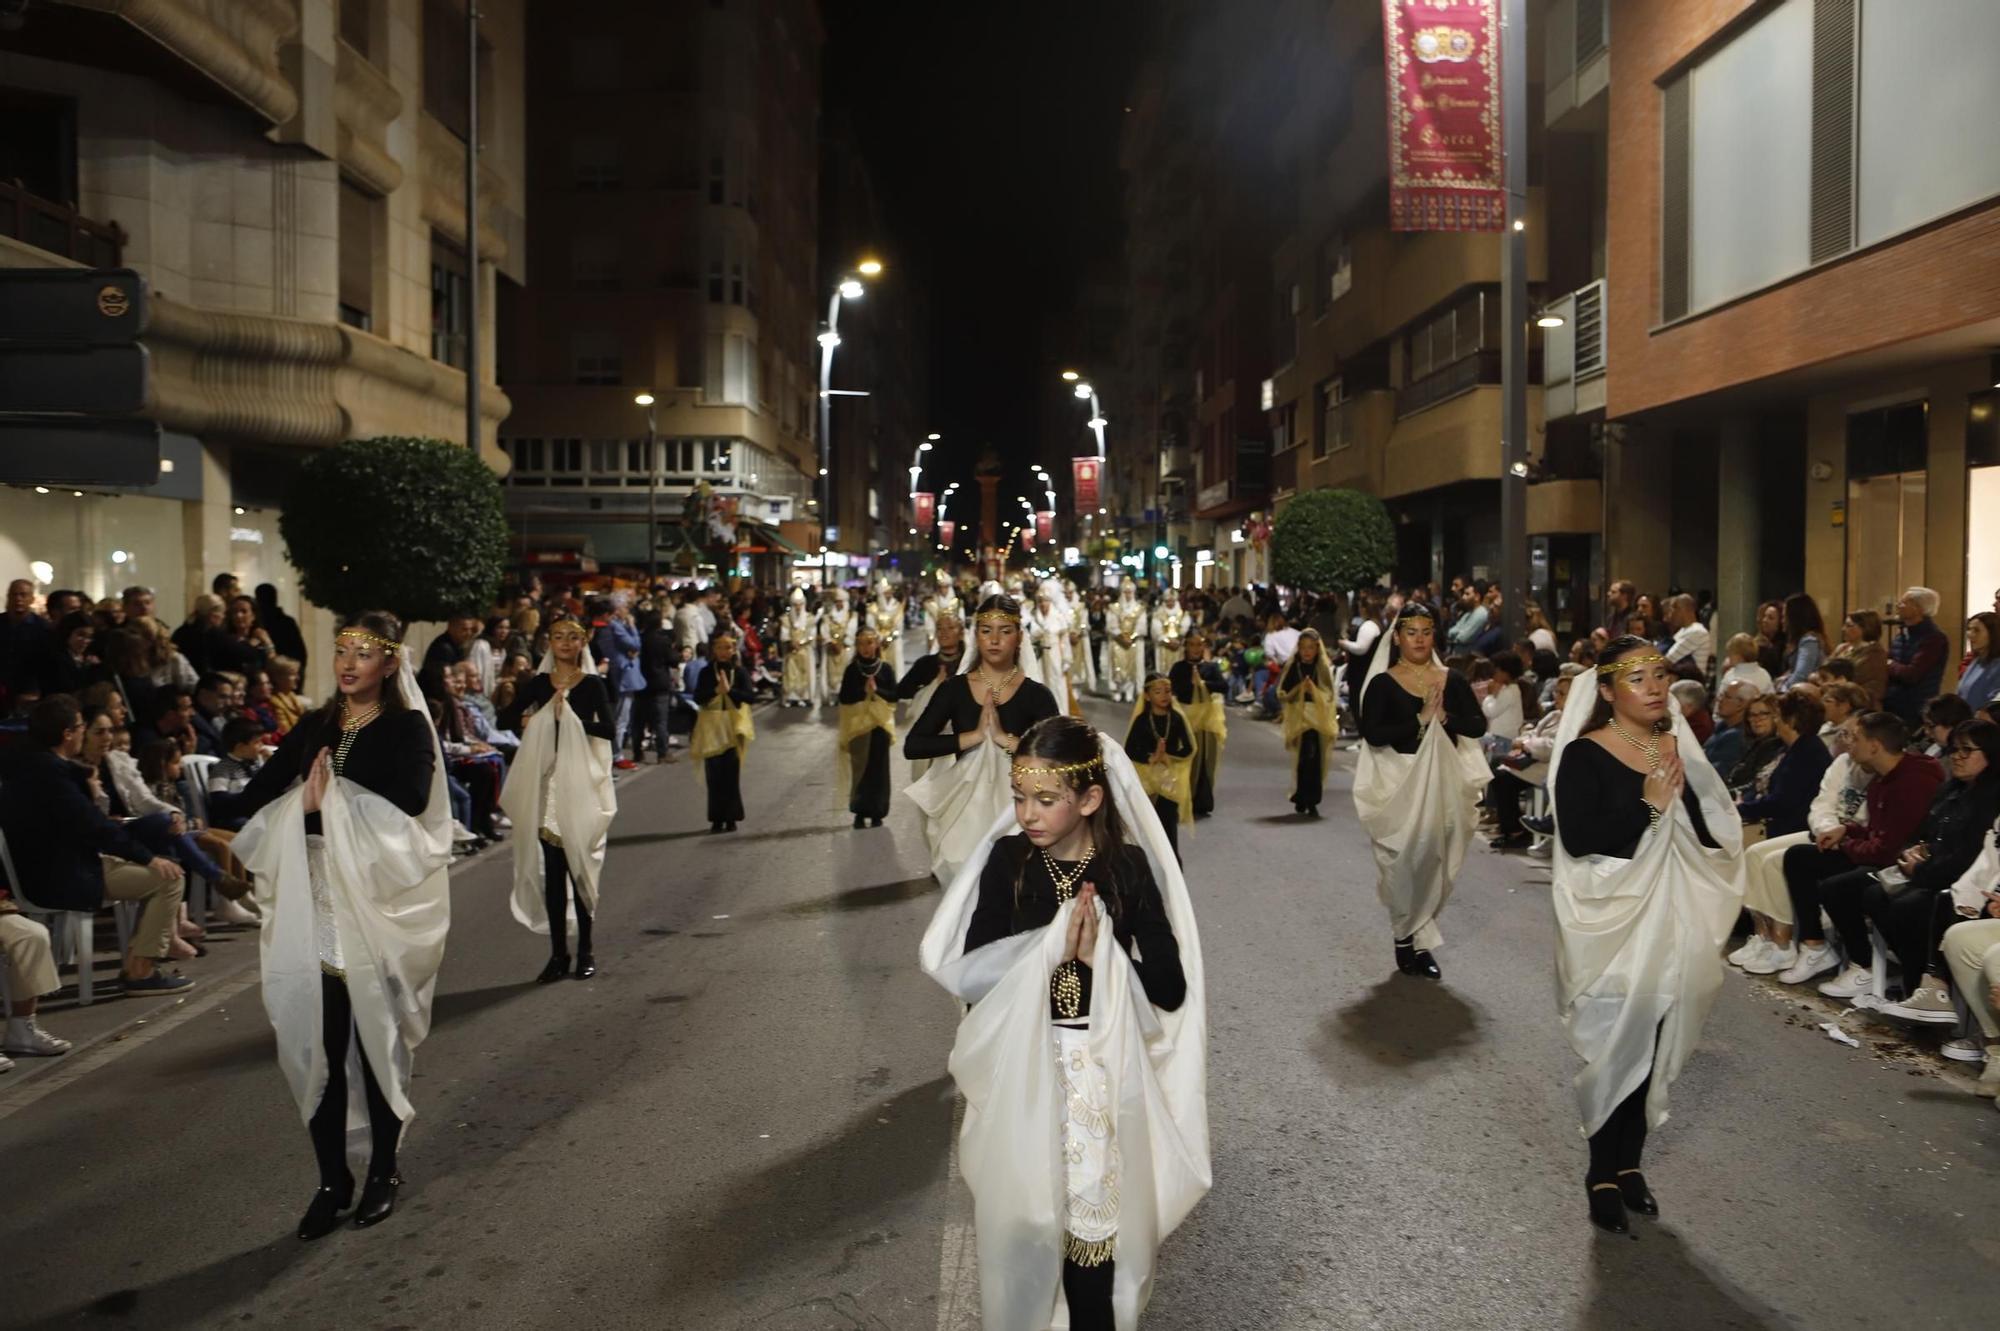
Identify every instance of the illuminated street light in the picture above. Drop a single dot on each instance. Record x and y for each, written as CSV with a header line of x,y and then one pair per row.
x,y
869,268
1070,376
851,289
643,399
1549,321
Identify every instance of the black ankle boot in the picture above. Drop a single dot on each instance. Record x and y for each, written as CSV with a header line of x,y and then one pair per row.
x,y
1638,1197
586,965
1424,966
1406,956
378,1200
859,822
322,1215
1607,1209
555,970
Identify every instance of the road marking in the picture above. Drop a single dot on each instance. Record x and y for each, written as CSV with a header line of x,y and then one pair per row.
x,y
958,1258
118,1043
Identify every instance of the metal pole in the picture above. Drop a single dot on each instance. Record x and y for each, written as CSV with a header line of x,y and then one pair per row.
x,y
472,431
1514,319
826,426
652,500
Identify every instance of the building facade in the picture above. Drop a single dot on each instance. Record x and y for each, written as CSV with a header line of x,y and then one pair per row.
x,y
288,178
673,153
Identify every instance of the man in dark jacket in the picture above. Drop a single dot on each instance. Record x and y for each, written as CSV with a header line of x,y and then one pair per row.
x,y
1916,656
71,857
614,640
286,639
25,638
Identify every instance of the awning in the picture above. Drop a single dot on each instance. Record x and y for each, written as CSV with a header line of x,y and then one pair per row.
x,y
768,537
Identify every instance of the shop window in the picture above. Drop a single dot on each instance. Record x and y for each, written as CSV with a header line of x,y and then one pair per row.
x,y
360,214
451,300
1887,492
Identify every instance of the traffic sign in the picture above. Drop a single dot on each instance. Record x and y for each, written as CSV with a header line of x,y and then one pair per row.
x,y
71,307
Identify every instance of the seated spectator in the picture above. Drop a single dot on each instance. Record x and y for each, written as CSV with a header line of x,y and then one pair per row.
x,y
480,715
1942,715
1526,765
1833,871
199,848
474,763
172,719
1971,950
31,973
255,702
1692,699
1539,633
243,645
1979,677
195,640
1916,655
25,637
74,857
1835,668
213,699
1805,639
126,655
487,652
1761,748
1912,917
70,664
1841,700
243,756
1507,703
1795,781
1691,639
287,705
1842,798
1739,665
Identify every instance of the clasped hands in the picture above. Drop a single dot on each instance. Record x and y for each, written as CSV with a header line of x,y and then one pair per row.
x,y
1080,939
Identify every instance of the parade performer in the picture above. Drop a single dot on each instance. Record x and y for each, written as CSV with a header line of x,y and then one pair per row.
x,y
1083,1056
929,671
976,717
349,839
867,729
722,729
1170,629
1082,660
1200,688
559,786
838,625
1648,881
945,604
798,632
885,616
1311,717
1125,624
1417,782
1160,744
1048,636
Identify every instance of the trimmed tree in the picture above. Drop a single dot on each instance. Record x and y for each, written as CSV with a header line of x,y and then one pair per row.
x,y
1332,541
416,527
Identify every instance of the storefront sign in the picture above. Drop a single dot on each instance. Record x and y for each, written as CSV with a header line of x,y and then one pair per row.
x,y
1086,472
1444,115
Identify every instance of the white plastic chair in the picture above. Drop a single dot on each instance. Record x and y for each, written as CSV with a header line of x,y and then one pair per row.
x,y
72,933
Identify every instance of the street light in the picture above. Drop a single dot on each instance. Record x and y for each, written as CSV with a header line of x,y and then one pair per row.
x,y
916,470
848,288
652,491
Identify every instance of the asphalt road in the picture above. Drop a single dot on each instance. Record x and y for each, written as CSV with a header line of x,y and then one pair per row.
x,y
744,1121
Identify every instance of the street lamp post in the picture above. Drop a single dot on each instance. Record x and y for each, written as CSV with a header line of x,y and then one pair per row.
x,y
848,288
1085,392
652,491
1514,319
917,470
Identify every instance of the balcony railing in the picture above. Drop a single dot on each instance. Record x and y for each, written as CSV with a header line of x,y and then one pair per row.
x,y
1285,470
1573,353
1461,376
58,228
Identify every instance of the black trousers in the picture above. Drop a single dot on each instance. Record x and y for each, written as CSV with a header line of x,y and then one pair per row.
x,y
1311,774
557,890
724,773
1619,1144
1816,878
869,754
482,778
1087,1290
1170,822
328,1124
1207,754
1912,923
1503,794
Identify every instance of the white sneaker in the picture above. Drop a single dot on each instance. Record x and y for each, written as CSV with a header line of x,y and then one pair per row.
x,y
1853,981
6,1063
1752,946
1814,959
461,833
1772,960
1931,1003
24,1037
235,912
503,822
1965,1049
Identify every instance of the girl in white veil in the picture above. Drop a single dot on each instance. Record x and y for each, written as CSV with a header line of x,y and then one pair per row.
x,y
1048,634
975,717
1417,782
1083,1066
349,840
559,788
1648,881
946,659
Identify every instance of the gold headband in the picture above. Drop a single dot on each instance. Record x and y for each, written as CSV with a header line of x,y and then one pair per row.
x,y
1413,619
1038,771
369,638
570,627
995,617
1630,663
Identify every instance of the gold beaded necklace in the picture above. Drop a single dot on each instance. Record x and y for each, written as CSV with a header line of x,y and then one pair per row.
x,y
1066,984
350,726
1649,746
995,690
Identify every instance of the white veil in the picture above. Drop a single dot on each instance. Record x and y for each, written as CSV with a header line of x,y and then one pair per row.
x,y
585,804
1638,941
1157,1061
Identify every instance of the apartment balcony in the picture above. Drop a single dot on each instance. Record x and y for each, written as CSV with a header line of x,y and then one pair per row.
x,y
1176,460
1576,63
1573,355
1453,441
58,228
1348,449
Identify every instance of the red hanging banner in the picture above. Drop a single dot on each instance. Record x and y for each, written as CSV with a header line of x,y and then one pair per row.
x,y
1444,115
1027,540
947,528
1085,473
924,503
1045,524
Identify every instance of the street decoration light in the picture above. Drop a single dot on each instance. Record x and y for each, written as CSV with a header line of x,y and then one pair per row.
x,y
849,287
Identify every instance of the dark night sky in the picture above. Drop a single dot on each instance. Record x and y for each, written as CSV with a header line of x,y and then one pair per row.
x,y
993,132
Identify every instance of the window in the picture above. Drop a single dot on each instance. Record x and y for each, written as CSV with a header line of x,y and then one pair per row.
x,y
1450,336
451,292
1285,432
1285,333
357,26
715,281
739,368
1928,105
593,262
1336,271
595,357
447,74
604,455
358,214
1327,417
596,163
635,457
715,455
593,63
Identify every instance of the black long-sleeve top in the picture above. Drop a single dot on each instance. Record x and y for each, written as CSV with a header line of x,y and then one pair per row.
x,y
1784,806
1182,676
1960,816
1760,754
1601,804
854,682
1298,672
952,711
1144,735
733,679
1389,713
392,756
588,698
1016,894
923,672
